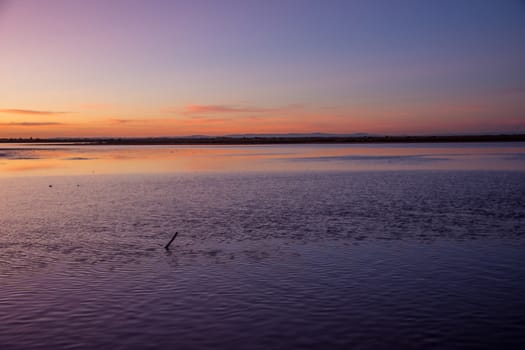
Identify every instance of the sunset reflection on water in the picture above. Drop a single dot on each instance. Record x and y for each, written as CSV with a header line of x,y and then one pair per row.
x,y
71,159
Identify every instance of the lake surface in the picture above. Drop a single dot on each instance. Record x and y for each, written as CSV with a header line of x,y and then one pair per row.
x,y
69,159
279,247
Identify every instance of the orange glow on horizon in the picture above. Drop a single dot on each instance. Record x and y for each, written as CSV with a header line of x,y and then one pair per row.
x,y
218,120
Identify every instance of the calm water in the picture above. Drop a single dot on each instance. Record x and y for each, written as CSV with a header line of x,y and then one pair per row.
x,y
279,247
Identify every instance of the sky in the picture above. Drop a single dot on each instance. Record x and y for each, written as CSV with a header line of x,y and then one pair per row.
x,y
131,68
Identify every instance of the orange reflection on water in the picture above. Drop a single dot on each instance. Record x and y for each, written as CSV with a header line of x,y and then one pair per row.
x,y
31,166
50,160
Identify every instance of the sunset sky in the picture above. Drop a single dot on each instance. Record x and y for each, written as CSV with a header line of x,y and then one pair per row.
x,y
174,68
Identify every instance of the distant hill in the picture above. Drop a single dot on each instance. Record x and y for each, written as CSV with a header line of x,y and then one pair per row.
x,y
288,135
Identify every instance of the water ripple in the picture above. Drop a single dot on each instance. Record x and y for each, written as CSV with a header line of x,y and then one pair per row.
x,y
332,260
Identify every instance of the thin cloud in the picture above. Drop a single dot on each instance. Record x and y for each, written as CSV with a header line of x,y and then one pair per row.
x,y
125,121
32,124
223,109
215,109
209,119
29,112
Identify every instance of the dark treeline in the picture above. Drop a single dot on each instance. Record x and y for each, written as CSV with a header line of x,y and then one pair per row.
x,y
255,140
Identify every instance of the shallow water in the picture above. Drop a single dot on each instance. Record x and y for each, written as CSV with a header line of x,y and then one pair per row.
x,y
70,159
274,259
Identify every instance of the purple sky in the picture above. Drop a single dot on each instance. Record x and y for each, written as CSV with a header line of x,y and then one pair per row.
x,y
158,67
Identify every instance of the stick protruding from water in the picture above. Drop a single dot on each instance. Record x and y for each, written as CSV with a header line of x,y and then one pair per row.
x,y
172,239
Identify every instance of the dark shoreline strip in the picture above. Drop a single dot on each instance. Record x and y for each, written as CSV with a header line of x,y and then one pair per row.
x,y
258,140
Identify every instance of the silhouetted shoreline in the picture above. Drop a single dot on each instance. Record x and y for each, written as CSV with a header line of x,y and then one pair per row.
x,y
255,140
